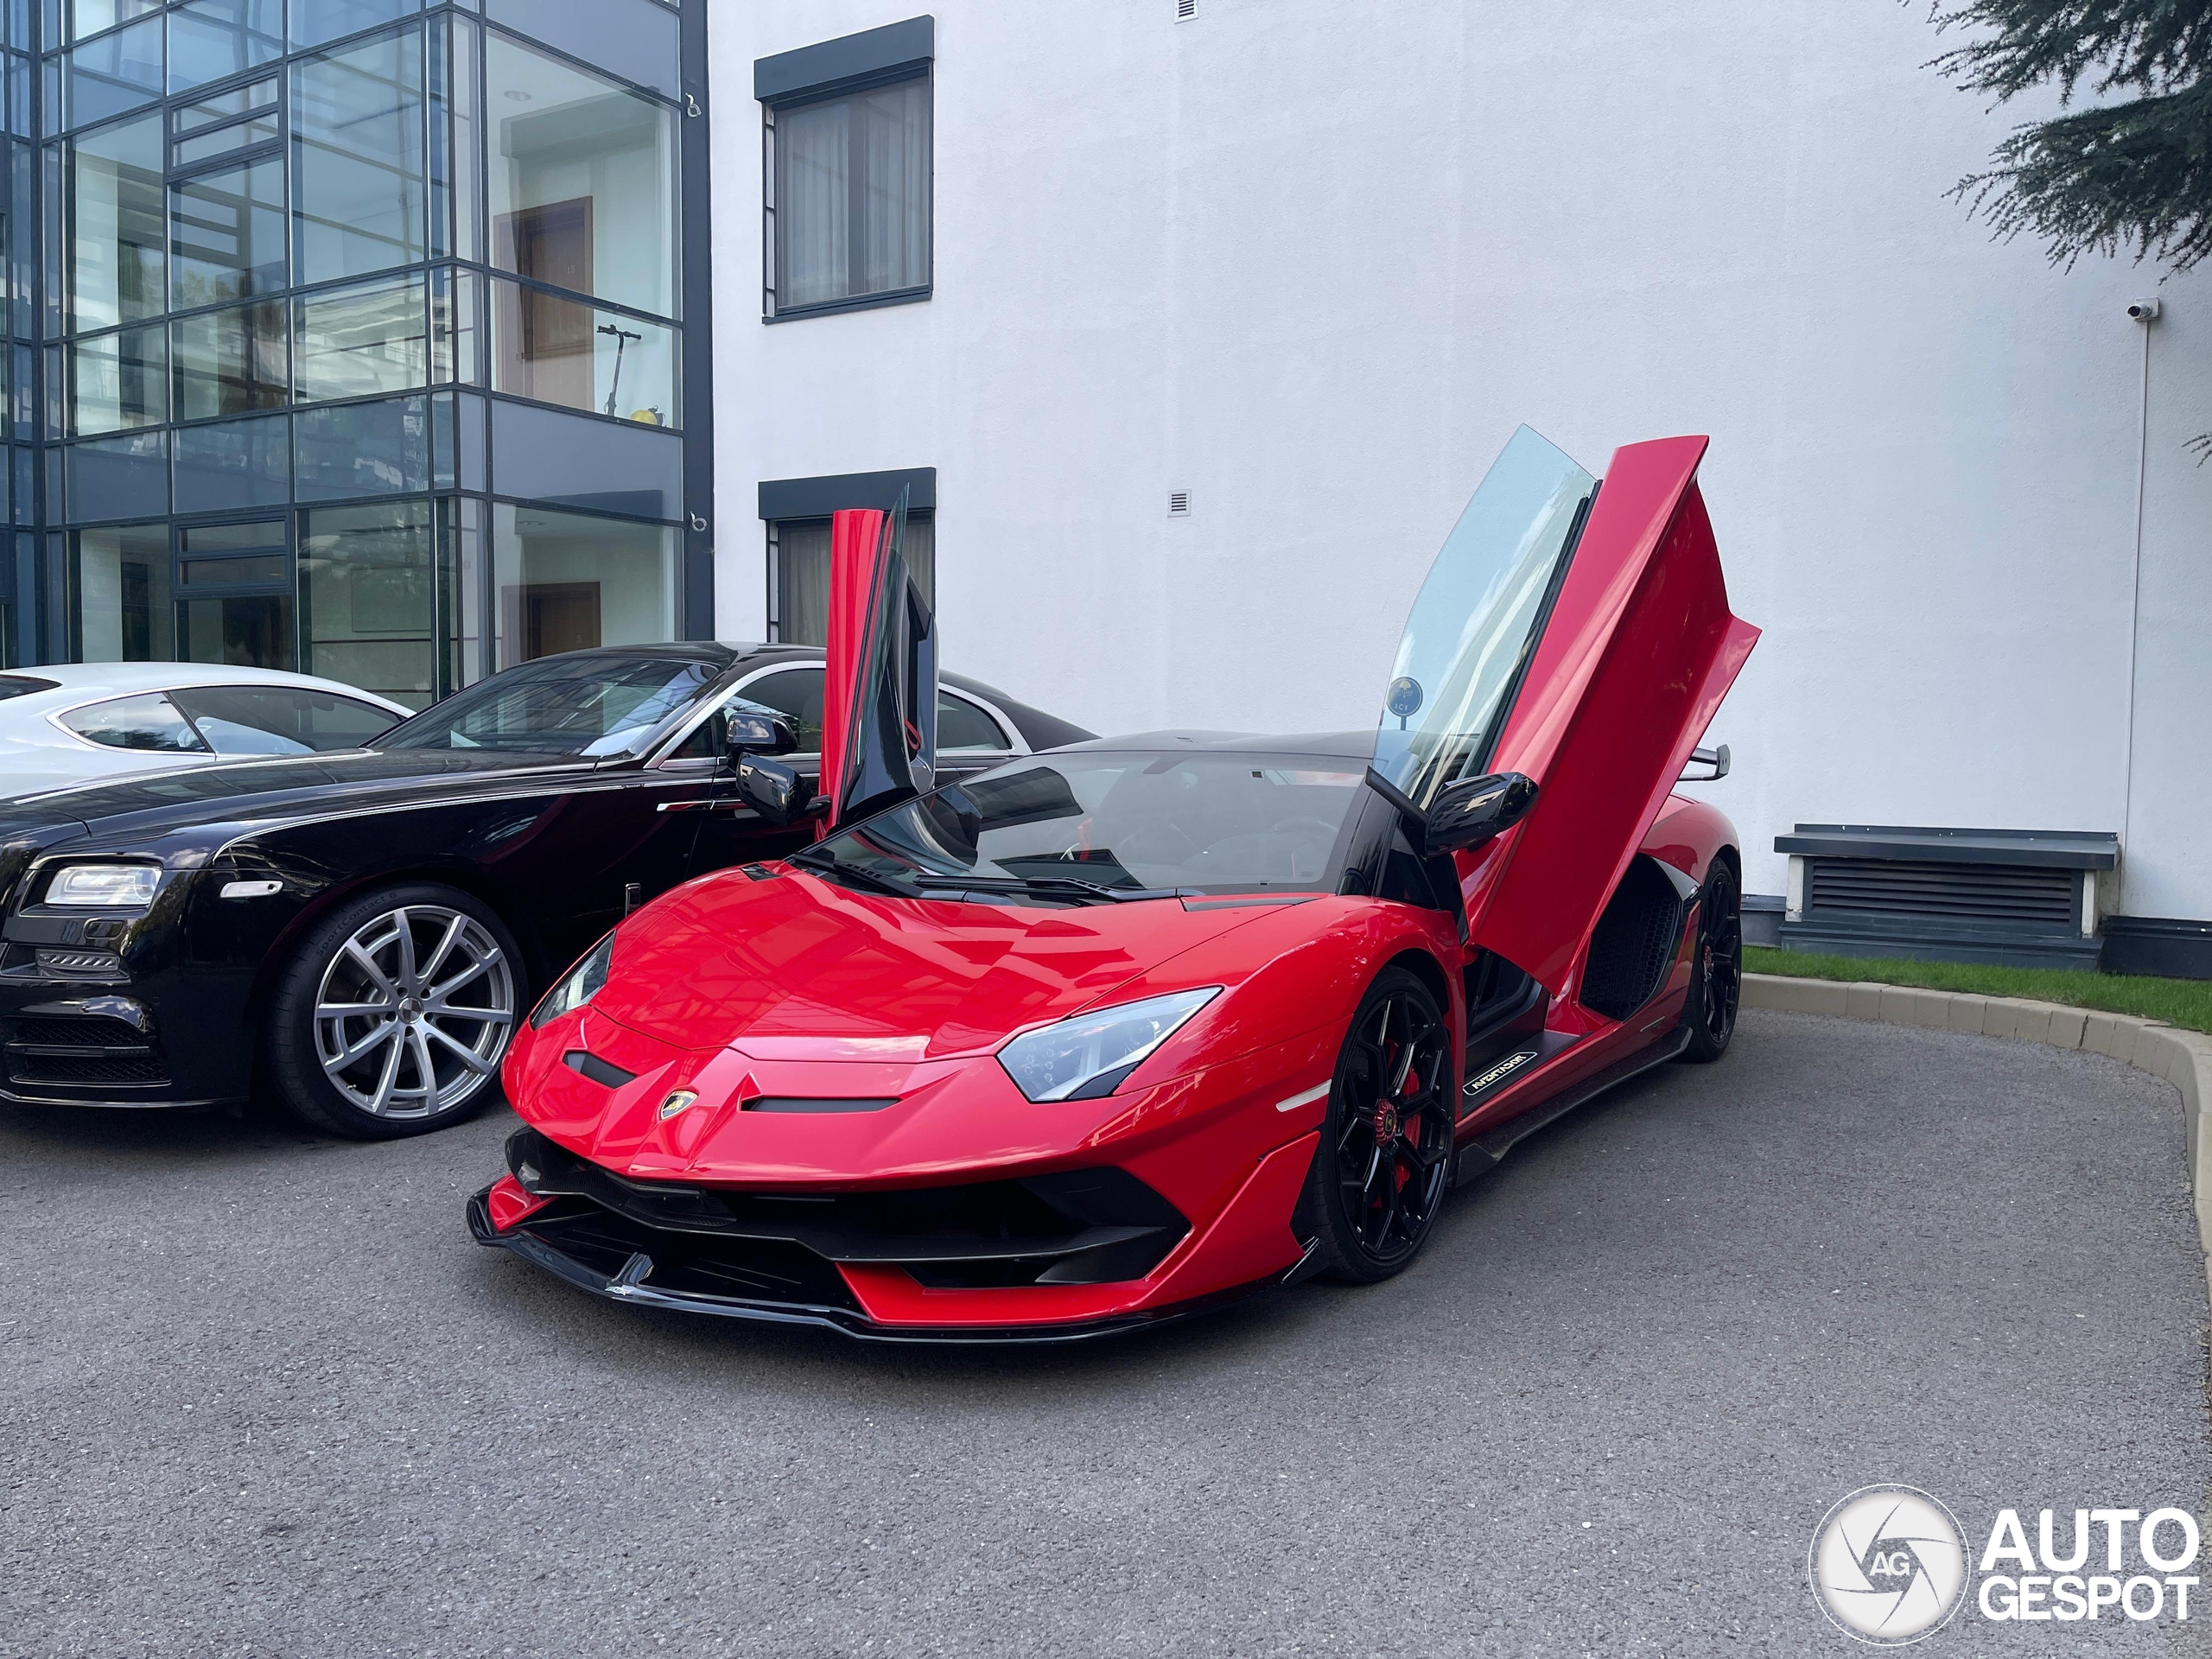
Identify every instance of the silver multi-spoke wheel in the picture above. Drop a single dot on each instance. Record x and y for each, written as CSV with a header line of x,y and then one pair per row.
x,y
414,1011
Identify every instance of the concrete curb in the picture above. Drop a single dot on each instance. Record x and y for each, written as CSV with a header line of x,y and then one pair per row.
x,y
2182,1057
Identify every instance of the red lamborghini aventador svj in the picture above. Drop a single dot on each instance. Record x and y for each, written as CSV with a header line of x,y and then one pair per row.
x,y
1120,1030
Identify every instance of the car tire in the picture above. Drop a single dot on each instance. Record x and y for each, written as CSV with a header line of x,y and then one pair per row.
x,y
1380,1173
1717,971
394,1012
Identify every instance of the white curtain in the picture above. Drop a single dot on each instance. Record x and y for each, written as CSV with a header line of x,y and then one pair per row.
x,y
852,208
812,215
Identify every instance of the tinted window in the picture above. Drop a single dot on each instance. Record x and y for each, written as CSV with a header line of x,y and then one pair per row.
x,y
580,704
962,725
14,685
150,723
277,720
796,692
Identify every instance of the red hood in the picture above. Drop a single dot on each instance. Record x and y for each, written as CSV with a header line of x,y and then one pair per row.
x,y
796,968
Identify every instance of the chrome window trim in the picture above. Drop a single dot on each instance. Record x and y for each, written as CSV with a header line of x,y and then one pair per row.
x,y
665,759
55,716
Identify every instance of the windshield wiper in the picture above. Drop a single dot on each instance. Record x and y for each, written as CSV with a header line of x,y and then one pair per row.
x,y
856,875
1058,886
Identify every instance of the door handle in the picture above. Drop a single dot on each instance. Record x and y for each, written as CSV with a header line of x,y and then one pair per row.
x,y
702,806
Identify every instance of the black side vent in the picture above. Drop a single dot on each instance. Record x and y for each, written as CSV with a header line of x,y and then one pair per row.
x,y
1633,943
1987,893
605,1073
80,1052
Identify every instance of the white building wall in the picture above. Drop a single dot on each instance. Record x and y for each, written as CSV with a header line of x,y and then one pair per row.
x,y
1313,263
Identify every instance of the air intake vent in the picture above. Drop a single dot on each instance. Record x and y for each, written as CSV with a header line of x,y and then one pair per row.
x,y
1178,504
1185,9
1983,893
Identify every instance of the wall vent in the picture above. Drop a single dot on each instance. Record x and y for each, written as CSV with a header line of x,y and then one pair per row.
x,y
1185,9
1178,504
1983,892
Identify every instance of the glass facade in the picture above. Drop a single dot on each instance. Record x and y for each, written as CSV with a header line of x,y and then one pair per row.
x,y
352,335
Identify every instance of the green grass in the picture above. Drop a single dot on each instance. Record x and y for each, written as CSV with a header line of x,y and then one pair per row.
x,y
2177,1001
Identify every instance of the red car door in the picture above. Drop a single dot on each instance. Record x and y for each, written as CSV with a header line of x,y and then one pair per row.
x,y
879,692
1579,634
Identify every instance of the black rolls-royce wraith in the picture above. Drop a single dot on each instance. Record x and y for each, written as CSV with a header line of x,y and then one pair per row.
x,y
359,931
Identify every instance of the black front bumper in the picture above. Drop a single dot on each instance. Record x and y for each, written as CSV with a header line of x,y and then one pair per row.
x,y
733,1256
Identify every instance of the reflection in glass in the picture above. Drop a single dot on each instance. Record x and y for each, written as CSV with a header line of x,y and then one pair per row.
x,y
357,190
209,39
224,106
461,585
118,381
115,72
316,21
245,570
456,140
249,632
457,300
226,233
239,135
566,581
852,196
637,40
123,594
367,610
229,362
90,17
117,477
116,235
560,351
583,181
363,449
235,464
357,342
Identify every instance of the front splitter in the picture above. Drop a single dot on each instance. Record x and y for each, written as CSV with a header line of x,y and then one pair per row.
x,y
625,1285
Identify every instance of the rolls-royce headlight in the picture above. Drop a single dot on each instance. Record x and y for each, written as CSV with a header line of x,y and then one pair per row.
x,y
582,983
112,887
1087,1055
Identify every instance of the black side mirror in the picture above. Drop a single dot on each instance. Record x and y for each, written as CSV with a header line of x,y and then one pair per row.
x,y
1471,811
748,729
771,788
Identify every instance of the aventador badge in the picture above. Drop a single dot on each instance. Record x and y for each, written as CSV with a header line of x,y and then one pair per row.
x,y
1504,1068
676,1102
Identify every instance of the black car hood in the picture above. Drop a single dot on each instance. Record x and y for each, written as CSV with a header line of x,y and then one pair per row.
x,y
231,791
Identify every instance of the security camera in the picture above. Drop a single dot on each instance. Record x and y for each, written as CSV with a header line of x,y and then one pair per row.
x,y
2143,310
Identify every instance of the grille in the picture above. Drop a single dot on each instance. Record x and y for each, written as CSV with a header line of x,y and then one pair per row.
x,y
87,1032
1634,941
1968,893
141,1067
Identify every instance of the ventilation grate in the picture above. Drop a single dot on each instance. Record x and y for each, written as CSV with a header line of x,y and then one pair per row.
x,y
1185,9
1633,943
1966,892
1178,504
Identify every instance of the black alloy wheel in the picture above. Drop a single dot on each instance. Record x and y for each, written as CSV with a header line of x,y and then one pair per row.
x,y
1717,974
1380,1171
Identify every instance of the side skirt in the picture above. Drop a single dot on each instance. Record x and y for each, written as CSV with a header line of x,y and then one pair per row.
x,y
1488,1150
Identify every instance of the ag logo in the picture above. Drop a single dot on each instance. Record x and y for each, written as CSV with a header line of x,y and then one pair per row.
x,y
676,1102
1889,1565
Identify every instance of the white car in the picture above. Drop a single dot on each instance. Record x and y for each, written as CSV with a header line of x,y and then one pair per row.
x,y
79,723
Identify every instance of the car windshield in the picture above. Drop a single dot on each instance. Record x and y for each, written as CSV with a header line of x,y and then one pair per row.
x,y
1100,827
593,707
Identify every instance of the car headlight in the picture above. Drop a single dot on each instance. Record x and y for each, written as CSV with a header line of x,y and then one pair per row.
x,y
1087,1055
581,984
111,885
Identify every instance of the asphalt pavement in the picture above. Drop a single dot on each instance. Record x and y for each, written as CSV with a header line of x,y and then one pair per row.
x,y
259,1395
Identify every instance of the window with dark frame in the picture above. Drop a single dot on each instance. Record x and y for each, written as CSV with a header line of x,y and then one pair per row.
x,y
798,573
846,158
